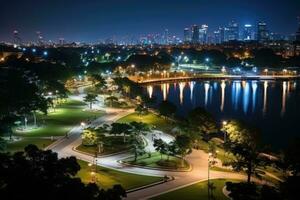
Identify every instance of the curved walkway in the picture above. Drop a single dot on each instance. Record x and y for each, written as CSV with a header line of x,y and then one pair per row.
x,y
198,159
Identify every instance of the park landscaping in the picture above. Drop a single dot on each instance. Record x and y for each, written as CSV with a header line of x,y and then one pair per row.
x,y
111,144
156,160
56,123
197,191
152,119
106,177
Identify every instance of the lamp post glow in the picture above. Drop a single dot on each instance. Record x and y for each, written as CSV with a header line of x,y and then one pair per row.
x,y
224,124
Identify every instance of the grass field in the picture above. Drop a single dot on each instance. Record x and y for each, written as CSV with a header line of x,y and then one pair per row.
x,y
152,119
61,121
20,145
106,178
196,191
110,145
156,162
57,123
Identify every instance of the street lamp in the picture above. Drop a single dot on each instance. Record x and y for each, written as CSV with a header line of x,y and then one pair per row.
x,y
224,124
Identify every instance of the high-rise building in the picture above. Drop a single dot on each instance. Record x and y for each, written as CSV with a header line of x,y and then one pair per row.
x,y
248,32
233,31
217,37
166,36
186,35
195,34
298,31
203,34
262,32
16,38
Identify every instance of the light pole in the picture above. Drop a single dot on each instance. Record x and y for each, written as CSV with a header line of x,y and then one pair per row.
x,y
224,124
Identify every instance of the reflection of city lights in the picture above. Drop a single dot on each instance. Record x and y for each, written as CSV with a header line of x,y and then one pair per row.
x,y
246,94
223,85
265,97
192,84
206,89
150,90
284,88
254,88
181,87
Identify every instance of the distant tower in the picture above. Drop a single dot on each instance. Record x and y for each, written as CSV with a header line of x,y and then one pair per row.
x,y
262,32
298,31
186,35
61,41
16,38
39,38
166,36
195,34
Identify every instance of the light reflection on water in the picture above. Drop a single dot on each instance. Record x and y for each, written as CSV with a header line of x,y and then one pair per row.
x,y
256,101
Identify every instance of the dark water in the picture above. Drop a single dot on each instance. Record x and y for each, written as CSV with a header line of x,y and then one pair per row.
x,y
271,106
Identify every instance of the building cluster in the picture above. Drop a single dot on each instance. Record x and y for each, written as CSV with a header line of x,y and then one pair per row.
x,y
232,32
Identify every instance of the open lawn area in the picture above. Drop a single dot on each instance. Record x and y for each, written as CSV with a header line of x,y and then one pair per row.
x,y
152,119
58,123
156,161
106,178
21,144
112,144
196,191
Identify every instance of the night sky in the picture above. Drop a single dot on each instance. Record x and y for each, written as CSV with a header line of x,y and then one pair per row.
x,y
91,20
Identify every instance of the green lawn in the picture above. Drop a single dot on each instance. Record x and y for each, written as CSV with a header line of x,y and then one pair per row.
x,y
20,145
61,121
152,119
110,145
106,178
57,123
196,191
156,161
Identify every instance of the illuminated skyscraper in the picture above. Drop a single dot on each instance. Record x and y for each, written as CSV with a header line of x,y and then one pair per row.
x,y
262,32
298,31
233,31
195,34
186,35
203,34
248,32
16,38
166,36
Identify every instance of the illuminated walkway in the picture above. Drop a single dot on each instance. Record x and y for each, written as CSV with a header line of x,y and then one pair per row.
x,y
216,76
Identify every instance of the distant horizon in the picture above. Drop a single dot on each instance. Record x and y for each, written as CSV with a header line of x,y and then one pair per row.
x,y
91,21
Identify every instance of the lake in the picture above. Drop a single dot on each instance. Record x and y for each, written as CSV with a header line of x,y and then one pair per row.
x,y
271,106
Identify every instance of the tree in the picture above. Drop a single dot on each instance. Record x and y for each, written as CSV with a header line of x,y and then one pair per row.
x,y
3,144
167,108
184,145
91,98
160,146
38,174
243,143
89,137
99,81
202,121
120,128
111,100
141,110
251,191
138,128
291,157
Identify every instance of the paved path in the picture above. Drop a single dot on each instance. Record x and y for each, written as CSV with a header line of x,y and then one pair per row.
x,y
198,159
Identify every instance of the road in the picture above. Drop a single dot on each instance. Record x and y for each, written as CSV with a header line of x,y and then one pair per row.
x,y
198,159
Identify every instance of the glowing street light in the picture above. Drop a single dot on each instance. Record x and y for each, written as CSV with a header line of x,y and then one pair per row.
x,y
225,133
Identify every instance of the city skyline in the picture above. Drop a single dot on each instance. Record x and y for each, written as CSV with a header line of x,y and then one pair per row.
x,y
90,22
